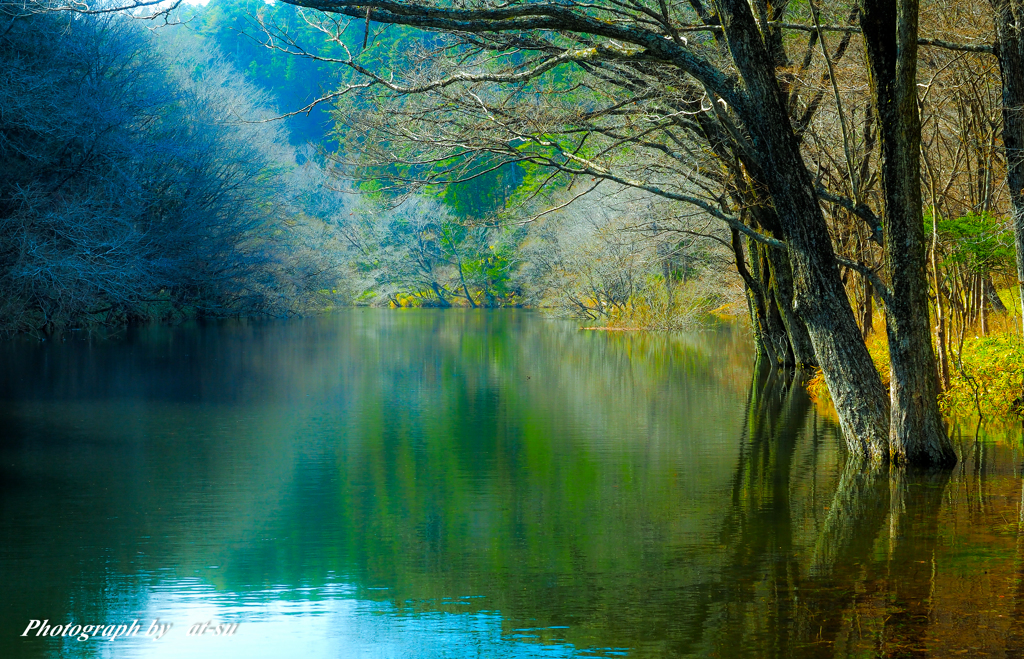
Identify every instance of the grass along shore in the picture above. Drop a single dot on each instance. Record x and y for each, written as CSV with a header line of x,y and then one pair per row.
x,y
986,371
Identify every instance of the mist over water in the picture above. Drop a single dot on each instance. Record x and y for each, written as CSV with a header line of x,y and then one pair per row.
x,y
476,484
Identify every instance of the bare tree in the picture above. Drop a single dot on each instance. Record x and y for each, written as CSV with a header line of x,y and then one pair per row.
x,y
134,189
690,65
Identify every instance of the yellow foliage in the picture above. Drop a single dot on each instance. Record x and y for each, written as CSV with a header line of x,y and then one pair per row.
x,y
878,348
988,377
820,396
989,373
651,308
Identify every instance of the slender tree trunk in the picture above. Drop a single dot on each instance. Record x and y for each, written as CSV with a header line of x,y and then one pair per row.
x,y
763,351
801,348
1009,23
941,344
782,288
975,299
917,434
776,325
982,305
666,272
462,275
763,342
867,322
820,297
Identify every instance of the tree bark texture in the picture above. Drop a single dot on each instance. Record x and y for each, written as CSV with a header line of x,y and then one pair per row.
x,y
820,296
764,342
917,434
800,343
1009,21
867,321
775,320
778,284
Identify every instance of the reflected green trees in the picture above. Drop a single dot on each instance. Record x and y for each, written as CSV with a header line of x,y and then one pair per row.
x,y
604,490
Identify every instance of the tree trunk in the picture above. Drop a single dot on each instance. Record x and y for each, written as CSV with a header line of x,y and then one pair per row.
x,y
992,296
782,289
1009,21
917,434
982,305
441,300
820,297
776,324
779,280
867,322
940,313
764,341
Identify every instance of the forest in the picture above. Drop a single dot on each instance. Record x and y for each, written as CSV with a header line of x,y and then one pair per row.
x,y
847,174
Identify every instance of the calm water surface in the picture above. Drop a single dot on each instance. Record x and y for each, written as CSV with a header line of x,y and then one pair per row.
x,y
447,484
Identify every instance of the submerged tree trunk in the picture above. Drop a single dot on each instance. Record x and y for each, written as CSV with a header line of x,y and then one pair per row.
x,y
779,281
917,433
820,297
1009,22
766,339
775,319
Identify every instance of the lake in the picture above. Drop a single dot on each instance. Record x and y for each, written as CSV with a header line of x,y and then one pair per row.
x,y
430,484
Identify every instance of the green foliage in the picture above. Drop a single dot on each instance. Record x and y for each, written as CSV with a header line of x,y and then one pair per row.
x,y
485,193
491,272
978,242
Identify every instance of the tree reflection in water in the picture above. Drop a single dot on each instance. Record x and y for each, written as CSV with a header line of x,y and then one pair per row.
x,y
866,586
578,490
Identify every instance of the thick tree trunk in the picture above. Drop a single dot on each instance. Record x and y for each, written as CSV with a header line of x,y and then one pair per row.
x,y
917,433
819,294
1009,23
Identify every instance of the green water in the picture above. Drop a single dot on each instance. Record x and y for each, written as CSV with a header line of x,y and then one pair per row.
x,y
476,484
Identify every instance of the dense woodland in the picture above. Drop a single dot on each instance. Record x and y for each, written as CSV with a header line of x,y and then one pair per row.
x,y
844,168
131,189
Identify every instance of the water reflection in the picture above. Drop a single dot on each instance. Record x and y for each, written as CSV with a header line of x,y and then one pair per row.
x,y
477,484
